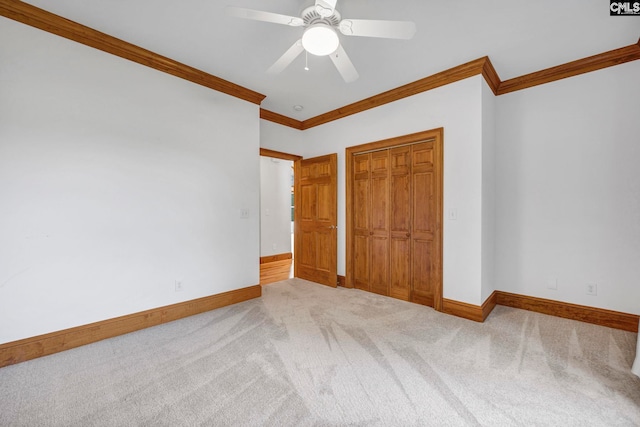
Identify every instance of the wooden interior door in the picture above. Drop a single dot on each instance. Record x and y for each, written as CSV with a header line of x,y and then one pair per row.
x,y
379,231
425,236
400,248
316,218
371,221
361,220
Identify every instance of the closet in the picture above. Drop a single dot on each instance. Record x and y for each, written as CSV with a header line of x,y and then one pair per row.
x,y
395,198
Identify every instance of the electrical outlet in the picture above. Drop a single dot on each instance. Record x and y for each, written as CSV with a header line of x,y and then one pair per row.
x,y
244,213
178,285
592,289
552,283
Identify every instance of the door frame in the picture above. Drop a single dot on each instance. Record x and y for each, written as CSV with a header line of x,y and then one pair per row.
x,y
265,152
436,135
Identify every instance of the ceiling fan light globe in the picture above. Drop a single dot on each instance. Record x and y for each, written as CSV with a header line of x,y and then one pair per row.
x,y
320,40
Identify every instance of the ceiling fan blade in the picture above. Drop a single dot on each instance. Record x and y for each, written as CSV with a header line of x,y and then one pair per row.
x,y
344,65
286,59
374,28
325,7
258,15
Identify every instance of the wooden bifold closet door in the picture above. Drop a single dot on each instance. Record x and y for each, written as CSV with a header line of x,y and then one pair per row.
x,y
395,196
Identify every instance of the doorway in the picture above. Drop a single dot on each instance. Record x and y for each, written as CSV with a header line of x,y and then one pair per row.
x,y
276,215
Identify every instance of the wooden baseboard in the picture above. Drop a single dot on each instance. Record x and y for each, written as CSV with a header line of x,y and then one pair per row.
x,y
342,281
470,311
598,316
462,309
489,305
43,345
277,257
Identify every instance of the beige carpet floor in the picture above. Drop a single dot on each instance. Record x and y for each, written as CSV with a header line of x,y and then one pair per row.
x,y
308,355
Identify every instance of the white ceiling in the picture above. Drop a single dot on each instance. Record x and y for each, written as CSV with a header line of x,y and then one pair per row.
x,y
519,36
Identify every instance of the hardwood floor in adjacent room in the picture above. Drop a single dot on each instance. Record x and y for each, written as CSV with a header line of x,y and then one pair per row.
x,y
276,271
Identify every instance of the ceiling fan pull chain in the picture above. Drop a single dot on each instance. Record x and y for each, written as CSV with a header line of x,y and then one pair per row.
x,y
306,60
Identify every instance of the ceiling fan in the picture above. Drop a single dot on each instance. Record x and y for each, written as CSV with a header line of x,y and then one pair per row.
x,y
320,37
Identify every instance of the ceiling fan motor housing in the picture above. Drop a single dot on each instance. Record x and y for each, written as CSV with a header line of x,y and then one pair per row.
x,y
311,16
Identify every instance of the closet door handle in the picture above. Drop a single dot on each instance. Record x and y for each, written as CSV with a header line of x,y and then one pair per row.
x,y
408,234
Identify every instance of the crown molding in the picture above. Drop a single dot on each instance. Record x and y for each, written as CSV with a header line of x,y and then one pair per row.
x,y
428,83
47,21
280,119
491,76
571,69
479,66
279,155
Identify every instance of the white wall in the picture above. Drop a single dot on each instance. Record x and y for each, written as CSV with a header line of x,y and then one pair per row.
x,y
281,138
116,180
275,206
568,189
488,191
457,108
